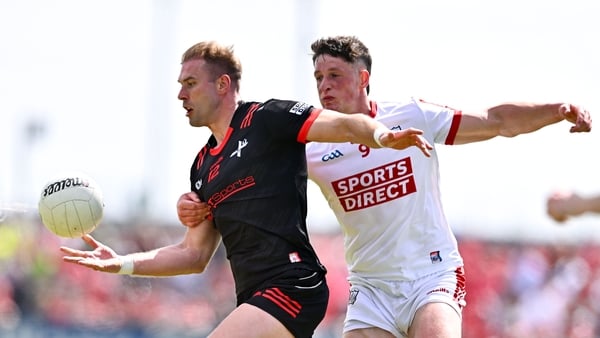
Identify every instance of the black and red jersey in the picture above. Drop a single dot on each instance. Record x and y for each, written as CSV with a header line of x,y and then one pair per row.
x,y
255,182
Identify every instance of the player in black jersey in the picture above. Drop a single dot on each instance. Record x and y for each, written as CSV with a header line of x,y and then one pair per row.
x,y
252,175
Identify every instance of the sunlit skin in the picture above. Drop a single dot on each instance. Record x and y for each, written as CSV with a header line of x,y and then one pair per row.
x,y
562,205
203,98
342,85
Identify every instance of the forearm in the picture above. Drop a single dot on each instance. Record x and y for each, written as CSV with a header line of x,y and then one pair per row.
x,y
589,204
516,119
336,127
192,255
562,205
166,261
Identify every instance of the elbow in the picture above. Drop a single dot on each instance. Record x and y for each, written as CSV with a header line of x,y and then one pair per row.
x,y
199,264
193,261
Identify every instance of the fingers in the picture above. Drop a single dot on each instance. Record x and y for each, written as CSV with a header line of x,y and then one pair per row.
x,y
555,206
192,213
194,197
413,131
579,116
425,148
189,196
583,123
72,259
410,137
90,241
73,252
87,259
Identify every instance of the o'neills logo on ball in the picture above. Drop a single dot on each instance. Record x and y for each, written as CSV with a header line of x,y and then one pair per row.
x,y
375,186
62,184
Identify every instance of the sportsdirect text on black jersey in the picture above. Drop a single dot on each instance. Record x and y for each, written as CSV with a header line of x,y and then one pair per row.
x,y
260,165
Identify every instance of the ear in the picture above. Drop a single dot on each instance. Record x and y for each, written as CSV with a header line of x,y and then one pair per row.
x,y
223,83
365,77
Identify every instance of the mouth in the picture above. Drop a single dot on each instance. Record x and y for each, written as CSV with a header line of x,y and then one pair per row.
x,y
188,111
327,101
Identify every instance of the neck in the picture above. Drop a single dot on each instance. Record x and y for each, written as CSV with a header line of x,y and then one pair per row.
x,y
224,115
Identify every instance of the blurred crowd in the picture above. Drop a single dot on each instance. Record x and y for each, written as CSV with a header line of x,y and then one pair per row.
x,y
514,290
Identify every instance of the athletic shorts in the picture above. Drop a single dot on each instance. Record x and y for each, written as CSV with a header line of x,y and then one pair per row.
x,y
298,300
391,305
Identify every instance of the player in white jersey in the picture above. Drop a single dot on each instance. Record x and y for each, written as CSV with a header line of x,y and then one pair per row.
x,y
378,197
405,270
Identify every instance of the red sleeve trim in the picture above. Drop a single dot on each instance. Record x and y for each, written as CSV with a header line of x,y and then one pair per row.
x,y
307,124
373,110
454,128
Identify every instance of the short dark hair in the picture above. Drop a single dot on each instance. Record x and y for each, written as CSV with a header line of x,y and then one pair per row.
x,y
349,48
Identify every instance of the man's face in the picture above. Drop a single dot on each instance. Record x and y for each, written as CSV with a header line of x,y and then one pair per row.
x,y
198,93
338,83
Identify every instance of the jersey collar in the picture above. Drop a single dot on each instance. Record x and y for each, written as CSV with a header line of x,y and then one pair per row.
x,y
373,111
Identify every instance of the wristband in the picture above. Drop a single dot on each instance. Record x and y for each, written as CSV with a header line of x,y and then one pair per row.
x,y
126,265
377,134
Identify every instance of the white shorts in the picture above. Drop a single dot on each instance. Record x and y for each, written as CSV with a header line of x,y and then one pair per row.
x,y
391,305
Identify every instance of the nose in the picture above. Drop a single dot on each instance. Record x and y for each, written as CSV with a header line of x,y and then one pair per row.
x,y
182,95
323,86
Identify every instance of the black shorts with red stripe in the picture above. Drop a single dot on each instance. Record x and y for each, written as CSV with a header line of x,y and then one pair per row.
x,y
297,299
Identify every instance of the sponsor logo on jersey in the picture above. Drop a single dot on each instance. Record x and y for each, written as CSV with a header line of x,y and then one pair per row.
x,y
353,296
198,184
294,257
376,186
435,257
241,145
332,156
299,108
231,189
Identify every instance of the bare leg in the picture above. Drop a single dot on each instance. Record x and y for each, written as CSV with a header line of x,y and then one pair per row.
x,y
436,320
248,321
372,332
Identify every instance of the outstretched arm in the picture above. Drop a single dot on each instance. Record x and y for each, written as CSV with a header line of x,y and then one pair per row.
x,y
562,205
331,126
191,255
513,119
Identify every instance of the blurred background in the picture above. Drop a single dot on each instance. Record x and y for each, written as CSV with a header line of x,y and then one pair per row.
x,y
92,86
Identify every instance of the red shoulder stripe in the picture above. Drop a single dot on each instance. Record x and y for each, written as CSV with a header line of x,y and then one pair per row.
x,y
248,118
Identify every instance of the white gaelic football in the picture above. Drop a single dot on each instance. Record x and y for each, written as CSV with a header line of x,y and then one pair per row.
x,y
71,206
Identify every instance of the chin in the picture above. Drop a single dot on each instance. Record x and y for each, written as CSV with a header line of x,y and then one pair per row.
x,y
331,106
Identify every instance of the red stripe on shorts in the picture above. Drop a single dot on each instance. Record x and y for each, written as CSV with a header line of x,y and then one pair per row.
x,y
282,300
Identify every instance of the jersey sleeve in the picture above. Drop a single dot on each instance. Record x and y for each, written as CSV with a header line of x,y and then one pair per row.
x,y
289,120
443,121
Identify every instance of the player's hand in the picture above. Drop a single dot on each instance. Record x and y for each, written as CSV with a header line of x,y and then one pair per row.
x,y
191,211
101,258
402,139
560,205
577,115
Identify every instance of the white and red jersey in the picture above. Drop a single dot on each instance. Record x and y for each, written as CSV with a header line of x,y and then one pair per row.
x,y
388,201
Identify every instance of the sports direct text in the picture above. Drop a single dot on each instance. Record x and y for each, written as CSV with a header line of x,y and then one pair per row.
x,y
376,186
